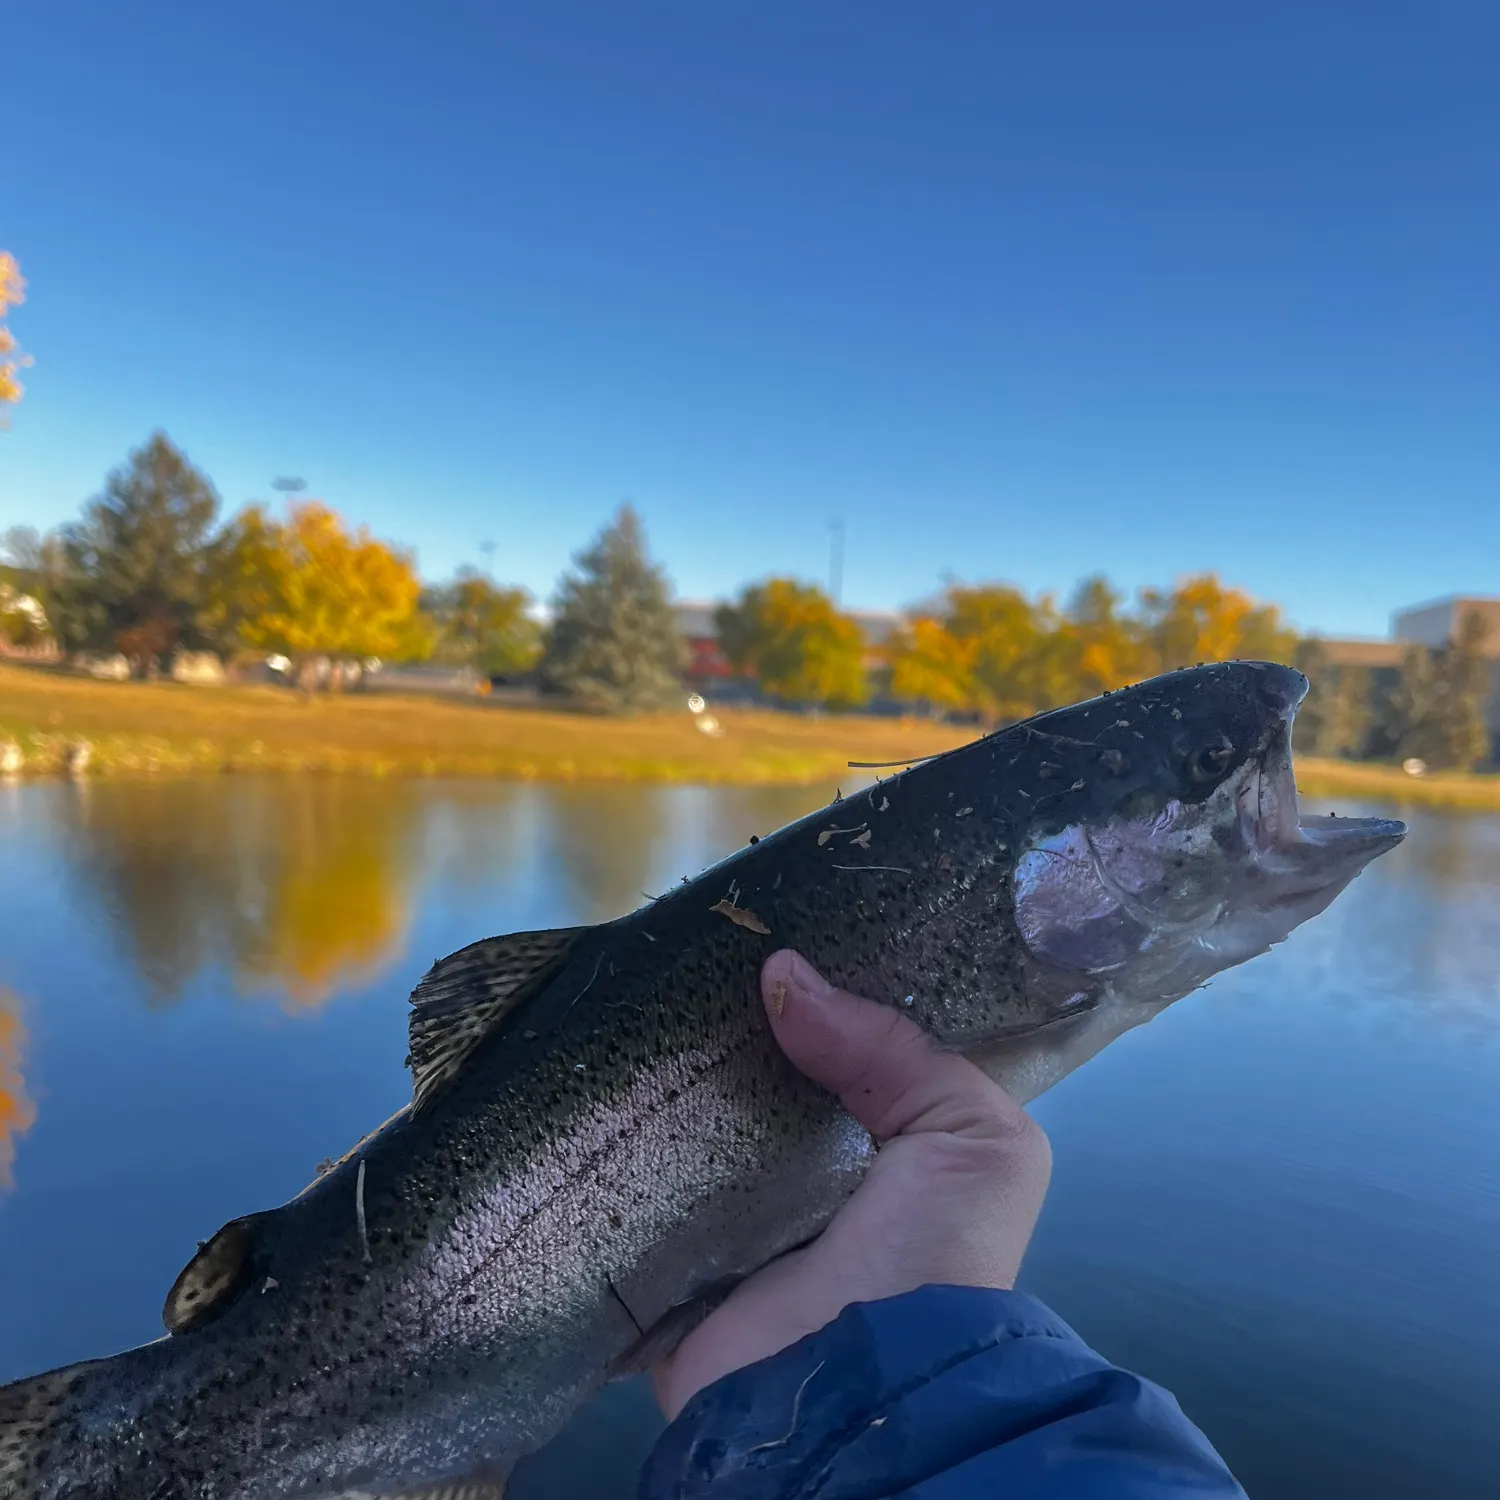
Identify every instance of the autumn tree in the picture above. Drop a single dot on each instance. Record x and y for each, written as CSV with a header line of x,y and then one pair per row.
x,y
131,575
614,643
484,625
985,648
307,587
931,667
1201,620
791,638
1101,645
12,291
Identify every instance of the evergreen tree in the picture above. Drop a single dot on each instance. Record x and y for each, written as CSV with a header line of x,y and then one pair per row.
x,y
1310,729
1350,712
132,572
614,643
1436,711
1335,717
1463,673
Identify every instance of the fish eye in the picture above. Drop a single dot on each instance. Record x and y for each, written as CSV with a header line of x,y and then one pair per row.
x,y
1211,761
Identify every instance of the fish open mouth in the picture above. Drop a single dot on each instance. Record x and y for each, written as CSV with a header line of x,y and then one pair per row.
x,y
1326,847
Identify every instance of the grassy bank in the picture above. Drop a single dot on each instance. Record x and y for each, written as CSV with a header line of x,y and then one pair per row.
x,y
1363,781
156,727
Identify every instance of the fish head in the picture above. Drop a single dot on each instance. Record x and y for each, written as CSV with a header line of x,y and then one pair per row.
x,y
1178,850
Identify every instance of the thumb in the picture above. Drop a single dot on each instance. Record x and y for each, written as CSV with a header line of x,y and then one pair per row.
x,y
880,1063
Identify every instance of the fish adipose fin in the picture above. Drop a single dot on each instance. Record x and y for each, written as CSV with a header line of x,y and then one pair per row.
x,y
223,1267
463,997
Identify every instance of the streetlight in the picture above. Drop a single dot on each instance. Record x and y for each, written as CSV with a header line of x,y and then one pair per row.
x,y
836,559
288,484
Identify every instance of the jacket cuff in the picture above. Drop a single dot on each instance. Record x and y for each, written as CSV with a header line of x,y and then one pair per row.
x,y
945,1391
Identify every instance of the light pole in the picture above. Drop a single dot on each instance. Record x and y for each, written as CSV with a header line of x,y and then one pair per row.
x,y
288,485
836,559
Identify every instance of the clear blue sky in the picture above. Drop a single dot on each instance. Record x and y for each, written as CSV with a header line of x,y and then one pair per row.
x,y
1021,292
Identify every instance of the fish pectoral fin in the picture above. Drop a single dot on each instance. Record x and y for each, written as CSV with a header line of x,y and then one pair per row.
x,y
462,998
667,1332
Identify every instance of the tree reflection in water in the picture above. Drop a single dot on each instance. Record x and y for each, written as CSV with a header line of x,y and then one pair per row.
x,y
301,887
17,1110
298,886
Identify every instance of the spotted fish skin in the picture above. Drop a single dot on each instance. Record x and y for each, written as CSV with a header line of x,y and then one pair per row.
x,y
605,1137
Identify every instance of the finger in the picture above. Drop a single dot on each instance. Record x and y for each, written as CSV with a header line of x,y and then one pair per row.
x,y
880,1063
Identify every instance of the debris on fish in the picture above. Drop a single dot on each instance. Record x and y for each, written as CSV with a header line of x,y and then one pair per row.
x,y
741,917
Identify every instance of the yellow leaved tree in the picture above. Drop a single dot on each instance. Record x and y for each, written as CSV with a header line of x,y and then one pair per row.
x,y
308,587
1101,646
12,291
1202,620
984,648
794,641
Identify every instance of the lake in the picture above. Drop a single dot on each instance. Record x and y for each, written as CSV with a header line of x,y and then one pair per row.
x,y
1282,1199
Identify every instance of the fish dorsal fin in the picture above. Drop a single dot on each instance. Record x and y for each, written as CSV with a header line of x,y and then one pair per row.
x,y
463,997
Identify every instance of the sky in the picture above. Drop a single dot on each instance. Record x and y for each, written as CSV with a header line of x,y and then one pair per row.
x,y
1016,292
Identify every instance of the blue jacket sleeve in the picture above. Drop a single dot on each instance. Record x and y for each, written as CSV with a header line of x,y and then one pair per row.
x,y
945,1393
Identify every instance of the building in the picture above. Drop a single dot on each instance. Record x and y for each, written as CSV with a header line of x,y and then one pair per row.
x,y
707,668
1438,623
1432,625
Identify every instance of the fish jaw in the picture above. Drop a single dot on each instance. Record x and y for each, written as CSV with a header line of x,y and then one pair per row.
x,y
1126,917
1294,865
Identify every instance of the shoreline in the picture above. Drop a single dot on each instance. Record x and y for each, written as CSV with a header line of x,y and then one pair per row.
x,y
153,729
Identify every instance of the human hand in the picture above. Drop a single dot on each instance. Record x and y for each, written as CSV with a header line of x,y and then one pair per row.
x,y
952,1195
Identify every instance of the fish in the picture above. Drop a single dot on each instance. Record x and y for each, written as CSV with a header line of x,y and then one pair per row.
x,y
603,1137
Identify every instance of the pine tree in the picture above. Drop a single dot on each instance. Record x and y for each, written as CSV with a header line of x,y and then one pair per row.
x,y
1436,711
1350,712
1464,682
133,570
614,643
1334,718
1310,729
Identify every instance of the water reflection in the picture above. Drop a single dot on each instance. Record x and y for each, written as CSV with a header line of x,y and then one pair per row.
x,y
1422,939
17,1111
302,888
1282,1199
604,842
298,888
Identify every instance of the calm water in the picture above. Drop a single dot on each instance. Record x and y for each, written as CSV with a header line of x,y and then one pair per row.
x,y
1282,1199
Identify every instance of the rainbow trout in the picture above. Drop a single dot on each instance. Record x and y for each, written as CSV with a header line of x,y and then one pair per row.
x,y
604,1137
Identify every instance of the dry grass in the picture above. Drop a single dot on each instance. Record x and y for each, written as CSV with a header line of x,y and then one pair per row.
x,y
1365,781
144,727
